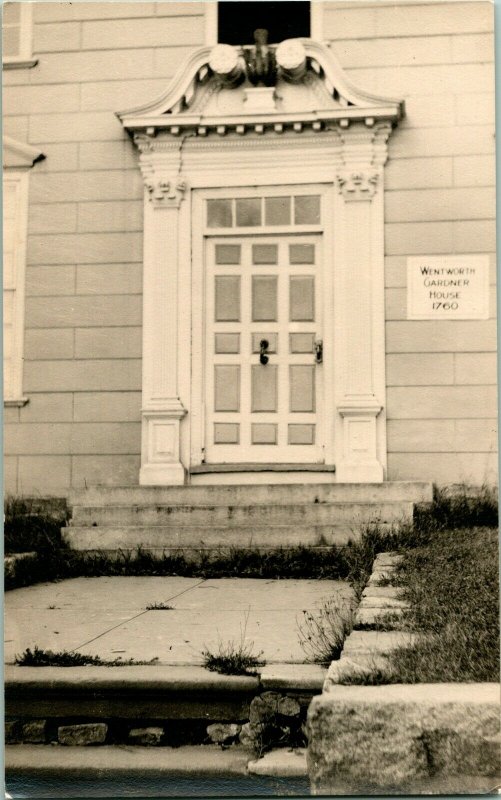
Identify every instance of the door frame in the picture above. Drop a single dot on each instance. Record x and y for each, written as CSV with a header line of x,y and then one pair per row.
x,y
200,236
349,164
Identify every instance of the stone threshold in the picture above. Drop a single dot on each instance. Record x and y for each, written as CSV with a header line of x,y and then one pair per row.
x,y
201,469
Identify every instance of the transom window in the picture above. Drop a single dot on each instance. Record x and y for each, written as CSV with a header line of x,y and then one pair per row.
x,y
256,212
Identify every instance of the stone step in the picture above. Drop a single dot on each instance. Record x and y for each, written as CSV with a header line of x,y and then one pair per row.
x,y
186,771
153,705
229,515
159,538
282,494
376,643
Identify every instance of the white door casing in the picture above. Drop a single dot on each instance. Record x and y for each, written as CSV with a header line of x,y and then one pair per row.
x,y
343,160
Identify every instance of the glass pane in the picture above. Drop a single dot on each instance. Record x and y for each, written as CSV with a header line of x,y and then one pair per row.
x,y
301,434
277,210
264,253
264,298
302,253
271,338
249,212
264,387
11,41
228,254
219,214
302,306
307,209
227,343
302,342
302,388
227,298
226,388
226,433
263,433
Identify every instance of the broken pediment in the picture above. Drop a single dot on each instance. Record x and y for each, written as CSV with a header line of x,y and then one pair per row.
x,y
296,85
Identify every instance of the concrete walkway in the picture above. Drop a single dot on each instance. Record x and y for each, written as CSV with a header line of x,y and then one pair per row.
x,y
108,617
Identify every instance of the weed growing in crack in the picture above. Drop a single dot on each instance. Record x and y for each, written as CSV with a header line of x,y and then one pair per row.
x,y
38,657
322,632
159,607
234,657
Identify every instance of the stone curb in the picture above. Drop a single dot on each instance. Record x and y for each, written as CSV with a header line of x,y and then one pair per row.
x,y
281,763
293,677
377,642
398,739
376,630
375,739
133,678
387,560
383,592
374,618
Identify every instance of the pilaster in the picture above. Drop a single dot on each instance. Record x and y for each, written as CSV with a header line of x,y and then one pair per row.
x,y
359,308
162,408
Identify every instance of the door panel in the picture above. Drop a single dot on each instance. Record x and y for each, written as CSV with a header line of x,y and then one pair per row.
x,y
263,387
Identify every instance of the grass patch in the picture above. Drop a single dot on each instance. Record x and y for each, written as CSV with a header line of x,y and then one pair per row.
x,y
451,582
322,632
33,524
291,562
459,507
159,607
452,586
38,657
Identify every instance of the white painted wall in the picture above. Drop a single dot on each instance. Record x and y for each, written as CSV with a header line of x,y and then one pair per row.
x,y
84,274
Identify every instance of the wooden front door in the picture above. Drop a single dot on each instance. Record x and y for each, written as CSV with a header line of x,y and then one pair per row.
x,y
263,348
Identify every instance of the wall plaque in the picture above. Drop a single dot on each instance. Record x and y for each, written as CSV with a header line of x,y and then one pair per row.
x,y
448,287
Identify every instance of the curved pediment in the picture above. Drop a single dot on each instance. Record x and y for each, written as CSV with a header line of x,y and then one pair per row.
x,y
223,89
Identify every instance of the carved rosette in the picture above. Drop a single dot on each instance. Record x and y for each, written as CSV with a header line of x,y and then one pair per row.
x,y
358,185
166,194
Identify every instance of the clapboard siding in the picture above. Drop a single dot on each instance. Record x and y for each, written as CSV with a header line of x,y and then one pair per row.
x,y
84,273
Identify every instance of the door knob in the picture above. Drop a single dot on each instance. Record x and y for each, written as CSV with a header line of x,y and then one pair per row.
x,y
263,347
319,351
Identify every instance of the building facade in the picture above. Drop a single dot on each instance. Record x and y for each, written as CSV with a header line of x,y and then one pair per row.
x,y
277,264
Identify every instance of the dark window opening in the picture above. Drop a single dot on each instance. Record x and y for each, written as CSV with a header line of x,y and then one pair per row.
x,y
237,21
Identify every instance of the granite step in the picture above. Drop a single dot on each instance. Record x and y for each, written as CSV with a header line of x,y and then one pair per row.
x,y
309,514
281,494
194,538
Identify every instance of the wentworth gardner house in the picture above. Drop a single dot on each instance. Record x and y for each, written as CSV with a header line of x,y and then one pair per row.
x,y
248,243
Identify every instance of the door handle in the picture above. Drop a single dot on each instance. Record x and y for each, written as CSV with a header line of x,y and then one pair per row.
x,y
319,351
263,347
